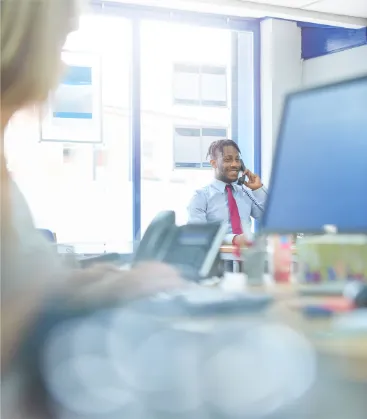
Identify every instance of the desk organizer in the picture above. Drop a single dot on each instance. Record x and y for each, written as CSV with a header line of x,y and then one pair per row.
x,y
330,258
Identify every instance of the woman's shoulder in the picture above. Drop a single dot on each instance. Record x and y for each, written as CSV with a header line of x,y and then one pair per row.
x,y
22,220
34,256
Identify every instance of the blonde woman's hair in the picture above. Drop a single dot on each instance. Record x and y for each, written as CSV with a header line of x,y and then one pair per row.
x,y
32,36
33,33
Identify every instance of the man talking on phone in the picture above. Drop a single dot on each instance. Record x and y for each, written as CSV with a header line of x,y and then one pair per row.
x,y
223,199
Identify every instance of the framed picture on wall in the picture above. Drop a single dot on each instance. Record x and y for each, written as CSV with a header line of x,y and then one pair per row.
x,y
73,112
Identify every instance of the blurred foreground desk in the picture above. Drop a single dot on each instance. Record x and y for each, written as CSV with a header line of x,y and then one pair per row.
x,y
287,309
351,347
340,389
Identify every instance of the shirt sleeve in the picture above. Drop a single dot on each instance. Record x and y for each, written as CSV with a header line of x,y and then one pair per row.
x,y
228,239
260,197
197,208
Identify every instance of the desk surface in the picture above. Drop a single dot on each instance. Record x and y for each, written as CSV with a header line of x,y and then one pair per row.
x,y
341,387
286,296
351,350
285,308
228,248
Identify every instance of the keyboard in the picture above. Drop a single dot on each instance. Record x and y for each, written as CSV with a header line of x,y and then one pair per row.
x,y
201,301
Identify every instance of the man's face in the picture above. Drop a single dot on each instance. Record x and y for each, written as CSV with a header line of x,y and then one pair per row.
x,y
227,165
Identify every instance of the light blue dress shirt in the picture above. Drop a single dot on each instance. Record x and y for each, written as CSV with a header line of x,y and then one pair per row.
x,y
210,204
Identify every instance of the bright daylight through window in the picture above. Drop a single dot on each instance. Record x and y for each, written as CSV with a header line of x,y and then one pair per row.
x,y
79,184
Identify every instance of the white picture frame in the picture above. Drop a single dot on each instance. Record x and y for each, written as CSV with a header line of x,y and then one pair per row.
x,y
73,112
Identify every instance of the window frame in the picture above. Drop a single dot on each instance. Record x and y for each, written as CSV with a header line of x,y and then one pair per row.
x,y
239,83
201,101
203,165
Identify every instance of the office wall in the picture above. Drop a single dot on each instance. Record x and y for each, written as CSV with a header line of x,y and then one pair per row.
x,y
281,72
333,67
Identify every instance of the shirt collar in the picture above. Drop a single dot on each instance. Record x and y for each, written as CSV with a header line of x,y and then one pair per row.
x,y
221,186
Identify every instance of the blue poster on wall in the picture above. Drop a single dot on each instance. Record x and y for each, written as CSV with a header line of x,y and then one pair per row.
x,y
74,97
74,111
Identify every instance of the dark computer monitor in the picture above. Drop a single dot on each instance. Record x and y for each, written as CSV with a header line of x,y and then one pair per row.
x,y
319,174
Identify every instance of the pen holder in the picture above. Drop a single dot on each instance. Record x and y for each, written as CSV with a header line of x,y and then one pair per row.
x,y
255,261
280,258
332,257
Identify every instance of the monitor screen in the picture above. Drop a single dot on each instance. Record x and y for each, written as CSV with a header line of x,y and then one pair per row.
x,y
319,174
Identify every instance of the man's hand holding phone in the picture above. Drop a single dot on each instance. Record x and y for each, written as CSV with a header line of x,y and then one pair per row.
x,y
253,181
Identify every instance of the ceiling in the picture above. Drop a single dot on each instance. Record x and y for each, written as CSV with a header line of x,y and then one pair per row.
x,y
345,13
356,8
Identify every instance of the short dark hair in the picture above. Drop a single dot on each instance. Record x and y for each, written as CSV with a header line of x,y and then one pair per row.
x,y
218,146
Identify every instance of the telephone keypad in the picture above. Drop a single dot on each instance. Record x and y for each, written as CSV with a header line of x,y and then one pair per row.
x,y
193,256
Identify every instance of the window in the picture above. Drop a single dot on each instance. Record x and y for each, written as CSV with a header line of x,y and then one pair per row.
x,y
168,78
175,137
200,85
81,189
191,145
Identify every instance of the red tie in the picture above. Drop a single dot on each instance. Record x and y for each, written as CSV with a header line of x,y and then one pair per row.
x,y
233,212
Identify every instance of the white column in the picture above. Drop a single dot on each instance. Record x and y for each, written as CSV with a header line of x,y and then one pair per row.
x,y
281,72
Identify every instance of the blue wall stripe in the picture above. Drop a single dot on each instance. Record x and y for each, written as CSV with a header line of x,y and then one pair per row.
x,y
246,118
257,100
136,129
318,41
234,87
314,25
257,106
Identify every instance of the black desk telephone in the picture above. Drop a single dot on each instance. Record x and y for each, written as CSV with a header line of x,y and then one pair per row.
x,y
242,179
193,248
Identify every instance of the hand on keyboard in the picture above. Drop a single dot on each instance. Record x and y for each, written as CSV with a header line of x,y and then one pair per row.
x,y
103,283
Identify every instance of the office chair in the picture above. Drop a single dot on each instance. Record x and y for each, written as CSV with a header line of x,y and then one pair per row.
x,y
48,235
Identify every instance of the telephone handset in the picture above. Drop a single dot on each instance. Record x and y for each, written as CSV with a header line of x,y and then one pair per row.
x,y
155,236
242,179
